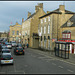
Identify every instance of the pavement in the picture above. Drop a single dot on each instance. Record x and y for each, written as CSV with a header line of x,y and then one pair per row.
x,y
71,59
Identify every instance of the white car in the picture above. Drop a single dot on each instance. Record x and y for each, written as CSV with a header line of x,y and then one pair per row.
x,y
5,51
9,45
6,58
14,43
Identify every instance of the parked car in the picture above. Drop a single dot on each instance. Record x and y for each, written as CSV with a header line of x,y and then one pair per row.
x,y
14,43
19,50
6,59
5,51
4,47
9,45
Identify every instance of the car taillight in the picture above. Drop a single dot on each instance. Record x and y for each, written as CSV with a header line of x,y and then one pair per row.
x,y
23,50
1,58
11,57
16,50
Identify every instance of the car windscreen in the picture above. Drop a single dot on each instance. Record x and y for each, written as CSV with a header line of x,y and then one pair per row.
x,y
5,51
6,57
8,44
13,43
20,45
19,48
4,47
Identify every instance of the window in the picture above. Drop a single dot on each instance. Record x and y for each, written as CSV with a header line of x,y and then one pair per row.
x,y
45,19
41,30
48,37
49,18
68,23
41,38
44,29
48,29
25,32
13,32
63,35
44,37
66,35
17,32
41,20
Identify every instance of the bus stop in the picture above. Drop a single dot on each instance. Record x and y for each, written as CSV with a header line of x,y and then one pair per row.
x,y
62,49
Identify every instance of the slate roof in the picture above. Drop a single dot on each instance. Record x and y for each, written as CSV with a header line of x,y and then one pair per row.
x,y
31,16
57,12
72,19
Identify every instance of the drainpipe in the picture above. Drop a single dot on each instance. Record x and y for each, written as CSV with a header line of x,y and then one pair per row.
x,y
52,30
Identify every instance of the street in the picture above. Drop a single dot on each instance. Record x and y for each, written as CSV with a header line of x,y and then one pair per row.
x,y
35,62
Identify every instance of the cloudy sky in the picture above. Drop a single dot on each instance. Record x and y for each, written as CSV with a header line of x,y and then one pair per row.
x,y
14,11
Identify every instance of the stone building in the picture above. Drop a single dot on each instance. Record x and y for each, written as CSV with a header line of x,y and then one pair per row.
x,y
3,35
30,27
15,32
50,27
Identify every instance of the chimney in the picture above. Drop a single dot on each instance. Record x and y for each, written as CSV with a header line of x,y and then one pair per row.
x,y
48,12
40,5
36,8
22,20
62,8
29,14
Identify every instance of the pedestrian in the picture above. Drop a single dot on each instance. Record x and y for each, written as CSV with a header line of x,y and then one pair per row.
x,y
27,45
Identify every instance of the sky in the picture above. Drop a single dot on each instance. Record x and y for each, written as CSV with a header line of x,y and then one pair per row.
x,y
14,11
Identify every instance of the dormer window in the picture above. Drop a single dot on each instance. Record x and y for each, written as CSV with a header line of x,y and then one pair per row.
x,y
68,23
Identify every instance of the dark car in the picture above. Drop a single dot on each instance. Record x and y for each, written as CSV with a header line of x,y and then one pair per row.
x,y
20,45
19,50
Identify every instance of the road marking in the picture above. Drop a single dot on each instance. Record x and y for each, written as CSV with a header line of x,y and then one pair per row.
x,y
41,53
53,63
60,66
69,70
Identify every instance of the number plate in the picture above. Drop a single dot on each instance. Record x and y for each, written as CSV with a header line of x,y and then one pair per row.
x,y
6,61
20,52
